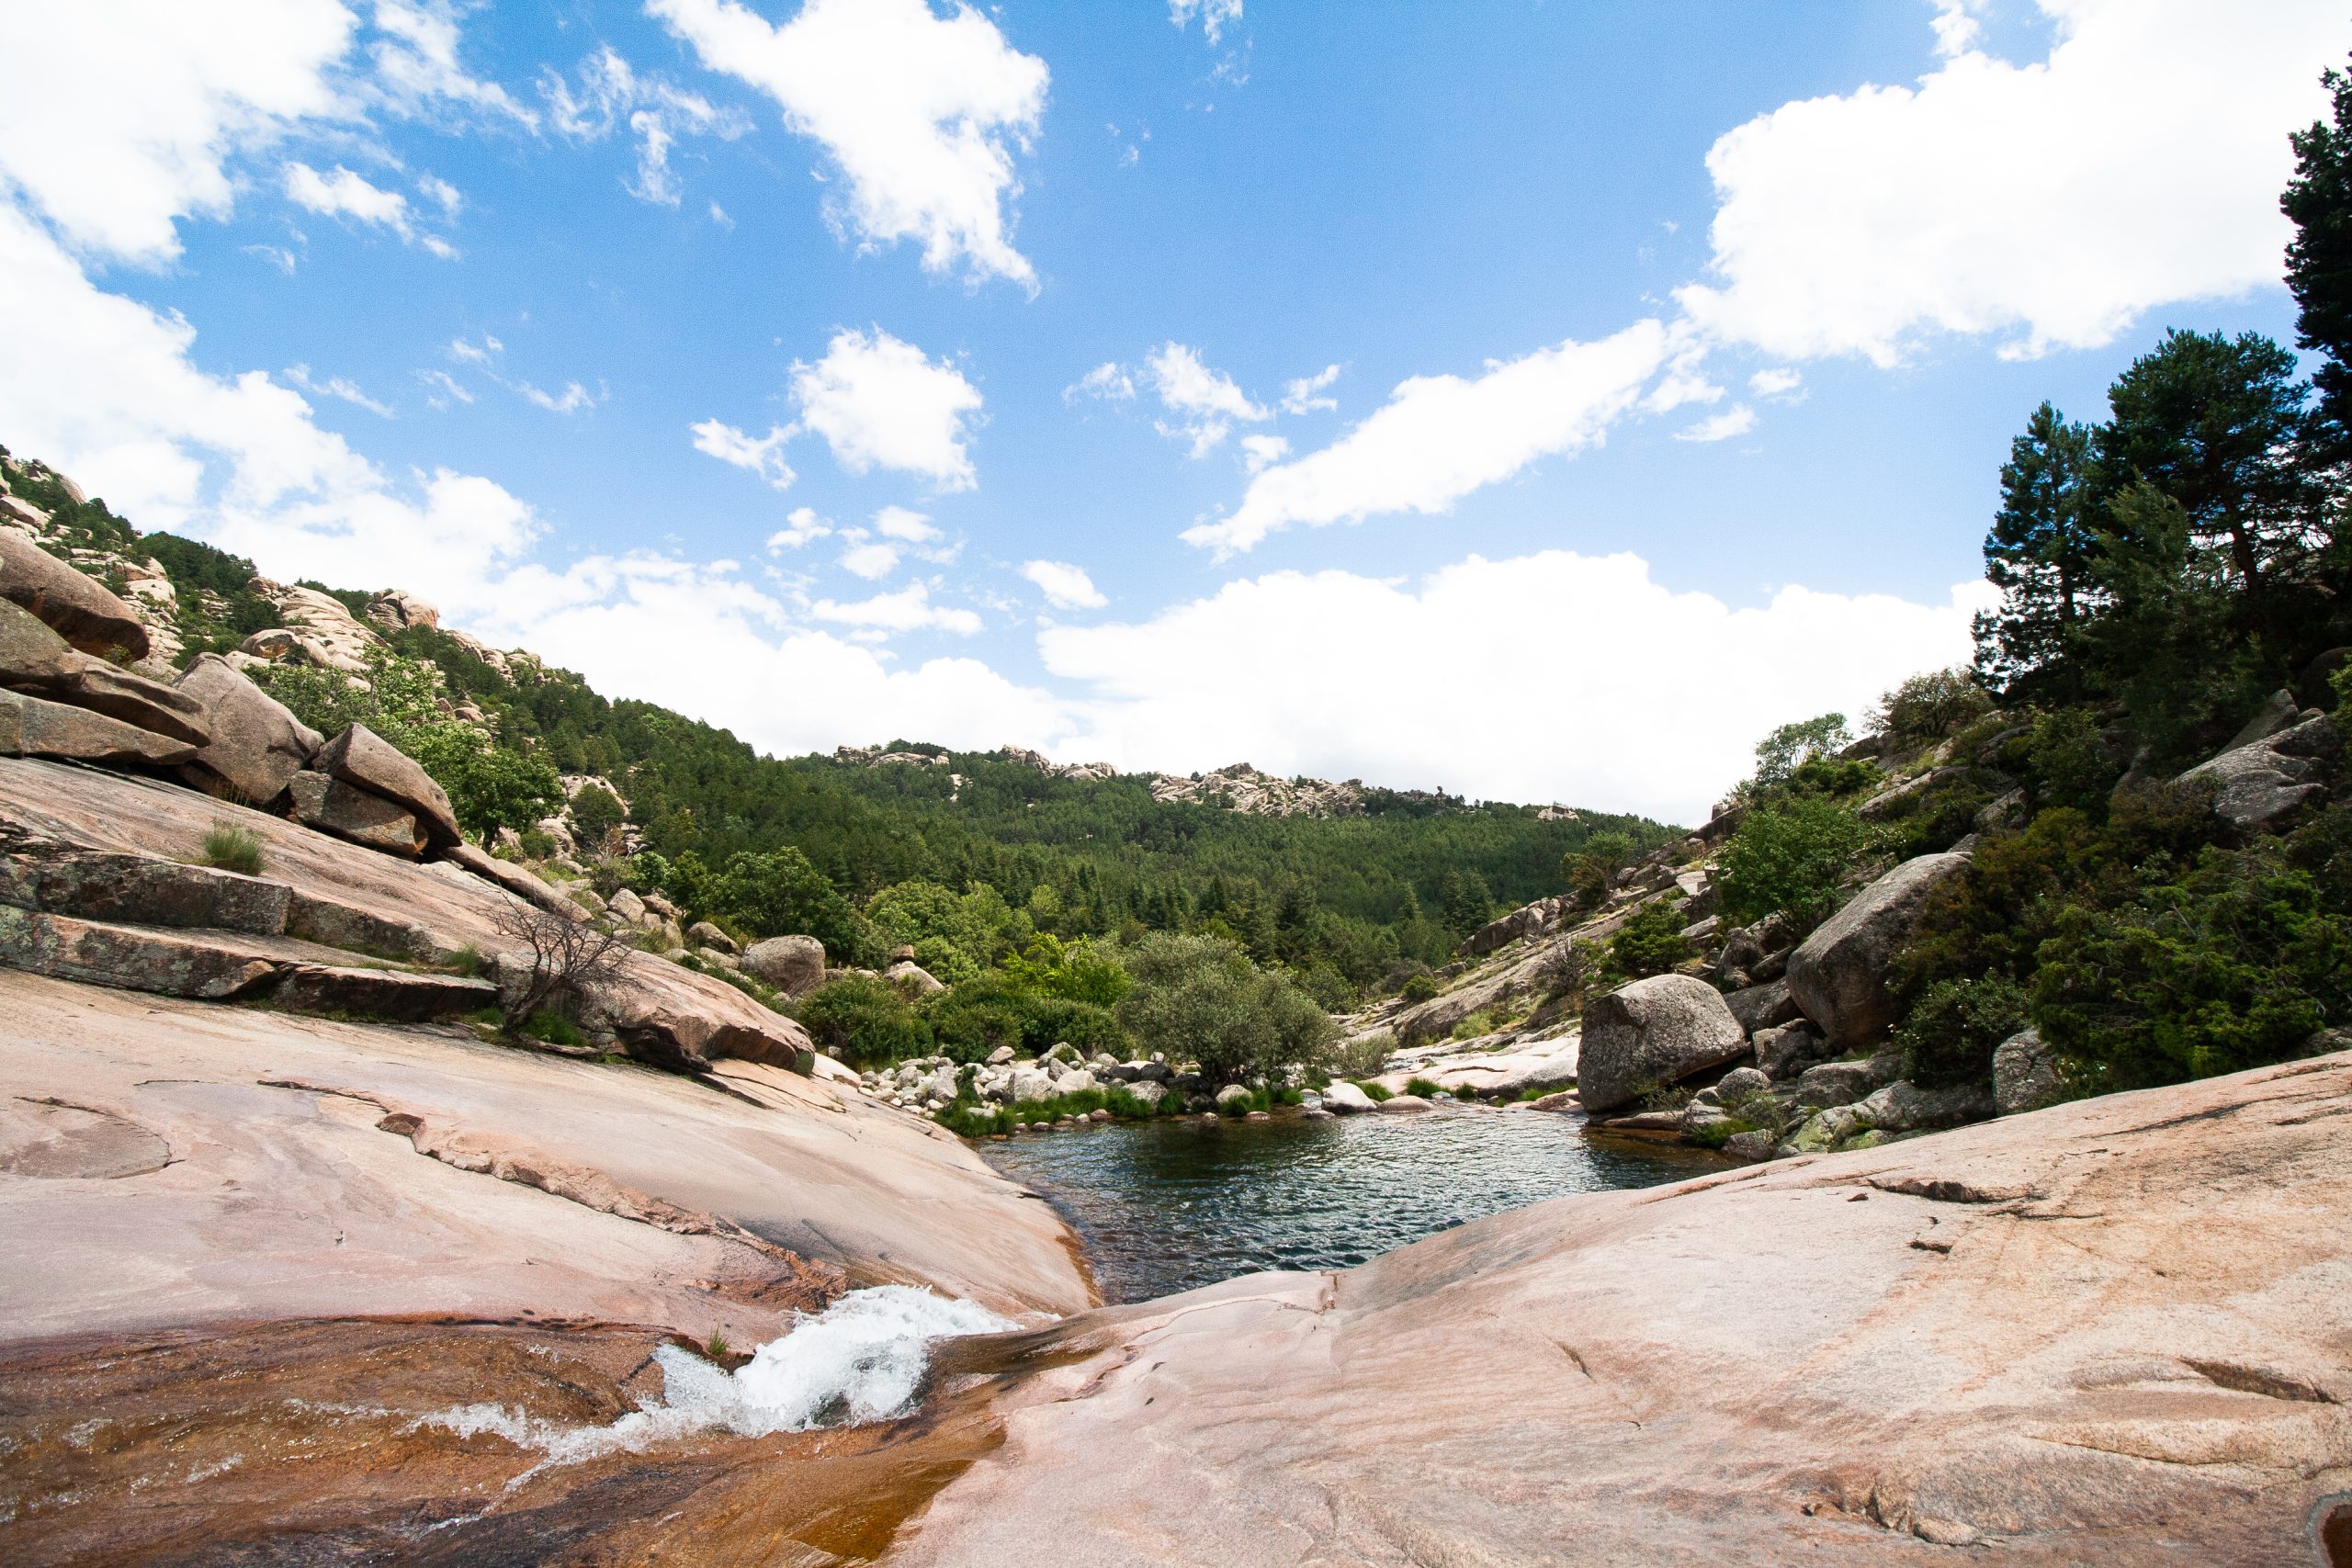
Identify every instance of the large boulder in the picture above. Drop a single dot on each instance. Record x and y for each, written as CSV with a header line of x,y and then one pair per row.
x,y
2258,785
1651,1033
364,760
913,980
1904,1106
35,660
2025,1077
1763,1007
1838,974
333,807
1346,1100
30,726
75,605
793,965
257,744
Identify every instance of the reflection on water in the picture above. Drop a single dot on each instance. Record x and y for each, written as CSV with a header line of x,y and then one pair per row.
x,y
1170,1205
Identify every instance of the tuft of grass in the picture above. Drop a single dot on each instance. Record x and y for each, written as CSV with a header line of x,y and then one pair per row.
x,y
717,1349
1425,1088
553,1028
230,848
1378,1091
467,961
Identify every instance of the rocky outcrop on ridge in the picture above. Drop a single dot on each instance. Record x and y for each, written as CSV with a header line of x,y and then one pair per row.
x,y
1243,788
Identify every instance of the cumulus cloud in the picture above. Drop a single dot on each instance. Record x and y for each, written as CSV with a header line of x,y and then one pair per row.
x,y
344,194
802,526
1188,687
762,455
1204,403
1215,16
898,523
187,89
879,402
866,558
2052,203
1262,451
909,609
605,91
1777,383
1108,381
1304,395
922,113
1737,420
1440,438
1065,587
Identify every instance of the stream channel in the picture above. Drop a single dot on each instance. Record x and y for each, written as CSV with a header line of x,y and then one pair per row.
x,y
1172,1204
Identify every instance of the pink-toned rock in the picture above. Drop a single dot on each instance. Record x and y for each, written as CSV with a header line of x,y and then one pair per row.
x,y
364,760
257,744
333,806
2112,1331
31,727
77,606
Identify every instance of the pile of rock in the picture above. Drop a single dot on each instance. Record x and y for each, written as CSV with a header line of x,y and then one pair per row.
x,y
930,1084
1243,788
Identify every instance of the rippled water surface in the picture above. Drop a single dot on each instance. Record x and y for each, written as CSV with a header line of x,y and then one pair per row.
x,y
1171,1205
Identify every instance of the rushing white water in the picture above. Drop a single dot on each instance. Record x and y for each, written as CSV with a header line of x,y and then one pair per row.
x,y
860,1360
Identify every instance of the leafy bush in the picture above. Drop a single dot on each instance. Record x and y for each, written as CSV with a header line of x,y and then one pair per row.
x,y
1202,998
595,812
228,847
1360,1058
1789,853
1420,987
980,1015
1934,819
2066,762
863,1021
1780,754
489,786
1951,1031
1591,870
1651,942
954,935
1077,970
778,893
1931,706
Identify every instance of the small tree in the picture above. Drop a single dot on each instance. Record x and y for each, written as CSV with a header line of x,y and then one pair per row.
x,y
1789,853
1781,754
1931,706
1651,942
1202,998
569,958
595,812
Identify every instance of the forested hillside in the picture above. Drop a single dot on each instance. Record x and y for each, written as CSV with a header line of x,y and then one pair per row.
x,y
806,844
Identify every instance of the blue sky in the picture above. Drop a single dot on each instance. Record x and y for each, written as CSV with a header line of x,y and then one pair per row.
x,y
1318,384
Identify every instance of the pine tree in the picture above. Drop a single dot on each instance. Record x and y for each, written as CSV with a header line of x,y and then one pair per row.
x,y
2319,262
2039,556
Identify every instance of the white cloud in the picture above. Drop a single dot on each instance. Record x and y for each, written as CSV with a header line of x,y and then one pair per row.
x,y
879,402
574,398
1065,587
1263,451
1188,688
762,455
1304,395
1440,438
473,352
447,388
656,111
117,119
336,386
908,610
1204,401
2052,203
1108,381
870,560
1737,420
897,523
803,526
922,113
346,195
1777,383
442,192
417,67
1216,14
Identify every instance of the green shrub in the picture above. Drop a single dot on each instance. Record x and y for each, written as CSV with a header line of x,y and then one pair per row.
x,y
1591,870
1931,706
1781,754
1378,1092
1360,1058
1788,854
1933,819
228,847
863,1021
552,1027
1078,970
777,894
1425,1088
2066,762
1950,1033
1420,987
1202,998
595,812
1651,942
976,1017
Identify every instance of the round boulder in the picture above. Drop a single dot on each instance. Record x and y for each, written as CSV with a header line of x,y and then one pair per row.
x,y
1838,975
1652,1034
793,965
